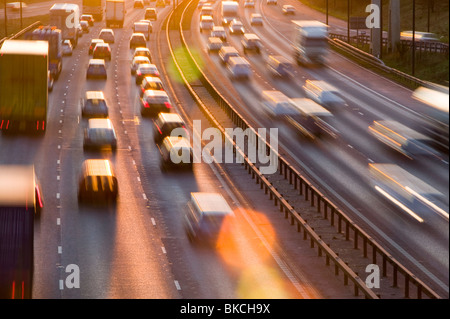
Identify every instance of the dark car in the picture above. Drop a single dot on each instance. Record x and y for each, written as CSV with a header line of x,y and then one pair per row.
x,y
138,40
100,134
150,14
89,18
93,44
102,51
138,4
84,26
165,124
97,182
96,69
154,102
94,105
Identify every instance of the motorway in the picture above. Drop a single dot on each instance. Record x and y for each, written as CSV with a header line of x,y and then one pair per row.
x,y
138,249
340,166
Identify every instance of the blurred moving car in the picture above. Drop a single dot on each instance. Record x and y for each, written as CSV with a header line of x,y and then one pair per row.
x,y
100,134
402,138
107,35
176,152
206,23
406,191
288,9
311,119
93,44
272,2
226,52
325,94
280,66
144,70
96,69
236,27
154,102
88,18
239,68
419,36
214,44
219,32
97,182
67,48
206,10
207,218
138,40
102,51
168,124
94,105
256,19
249,4
138,60
251,42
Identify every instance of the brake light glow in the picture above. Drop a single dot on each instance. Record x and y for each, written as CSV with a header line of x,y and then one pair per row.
x,y
168,105
39,197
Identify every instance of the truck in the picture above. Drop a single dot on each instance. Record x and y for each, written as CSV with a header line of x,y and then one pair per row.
x,y
310,42
115,13
229,11
66,17
95,8
54,38
20,204
23,86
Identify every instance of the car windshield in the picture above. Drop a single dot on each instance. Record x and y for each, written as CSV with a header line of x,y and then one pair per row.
x,y
95,104
101,135
147,70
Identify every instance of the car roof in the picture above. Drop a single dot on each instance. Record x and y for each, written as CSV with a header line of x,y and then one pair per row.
x,y
17,184
98,167
142,58
211,203
97,61
97,40
137,34
95,95
178,141
308,106
156,93
150,78
169,117
100,123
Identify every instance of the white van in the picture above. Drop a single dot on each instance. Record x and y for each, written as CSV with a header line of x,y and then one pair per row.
x,y
142,27
207,217
239,68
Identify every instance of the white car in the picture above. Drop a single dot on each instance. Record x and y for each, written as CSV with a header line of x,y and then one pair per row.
x,y
219,32
288,9
206,23
256,19
249,4
272,2
67,48
138,60
236,27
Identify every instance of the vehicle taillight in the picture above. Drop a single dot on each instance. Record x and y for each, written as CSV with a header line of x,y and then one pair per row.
x,y
159,129
168,105
146,104
39,199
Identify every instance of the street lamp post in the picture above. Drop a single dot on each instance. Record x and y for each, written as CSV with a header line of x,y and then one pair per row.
x,y
327,12
6,22
348,21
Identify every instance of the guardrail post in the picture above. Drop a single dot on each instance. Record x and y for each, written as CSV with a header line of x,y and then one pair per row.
x,y
365,247
355,238
395,284
347,230
384,265
312,197
406,286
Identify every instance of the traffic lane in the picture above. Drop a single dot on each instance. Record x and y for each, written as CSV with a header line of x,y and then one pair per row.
x,y
281,34
212,276
110,246
251,102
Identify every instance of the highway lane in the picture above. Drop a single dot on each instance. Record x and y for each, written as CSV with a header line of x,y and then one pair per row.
x,y
138,248
347,170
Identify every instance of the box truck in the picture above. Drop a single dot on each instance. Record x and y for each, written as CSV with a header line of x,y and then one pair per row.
x,y
23,86
310,42
115,13
66,17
